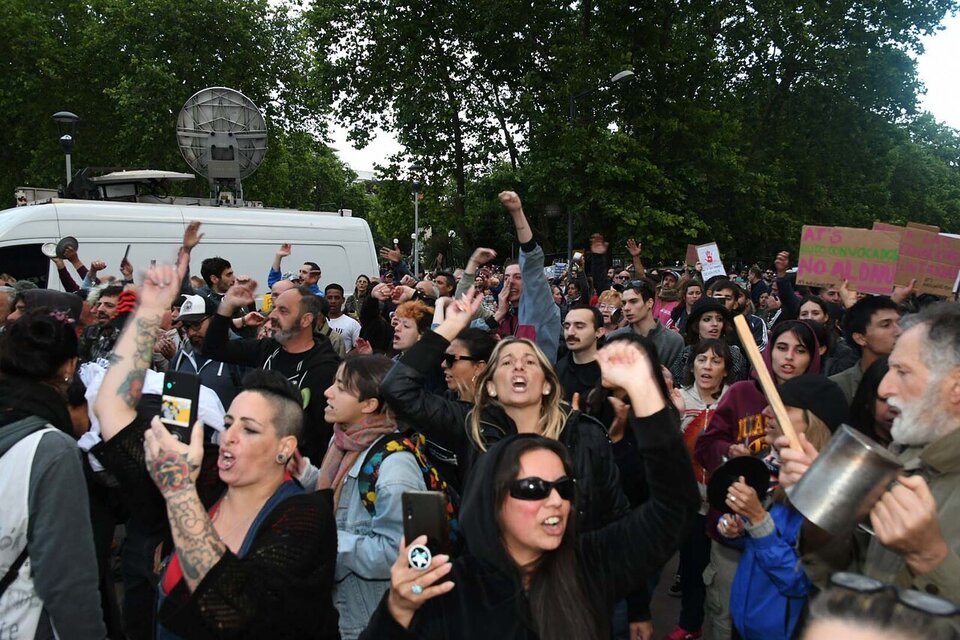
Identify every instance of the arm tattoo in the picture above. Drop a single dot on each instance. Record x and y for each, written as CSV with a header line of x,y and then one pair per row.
x,y
198,546
171,472
130,389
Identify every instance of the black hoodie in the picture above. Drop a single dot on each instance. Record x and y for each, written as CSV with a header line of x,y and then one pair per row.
x,y
488,601
311,371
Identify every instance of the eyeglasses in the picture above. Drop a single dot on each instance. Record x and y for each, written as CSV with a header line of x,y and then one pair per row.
x,y
620,277
450,358
912,598
540,489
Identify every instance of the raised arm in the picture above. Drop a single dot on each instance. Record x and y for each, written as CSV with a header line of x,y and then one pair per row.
x,y
674,498
122,384
274,275
537,308
634,248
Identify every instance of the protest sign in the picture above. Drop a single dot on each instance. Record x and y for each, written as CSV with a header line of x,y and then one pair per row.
x,y
709,256
932,259
866,258
924,227
691,255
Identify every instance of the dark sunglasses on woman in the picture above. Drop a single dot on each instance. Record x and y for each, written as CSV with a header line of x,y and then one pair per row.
x,y
449,359
539,489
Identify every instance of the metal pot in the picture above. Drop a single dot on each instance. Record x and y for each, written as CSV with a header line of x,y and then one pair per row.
x,y
841,486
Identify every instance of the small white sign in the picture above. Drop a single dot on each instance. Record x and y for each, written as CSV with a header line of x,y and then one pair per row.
x,y
709,255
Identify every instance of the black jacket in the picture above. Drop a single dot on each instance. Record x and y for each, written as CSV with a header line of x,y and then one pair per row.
x,y
488,601
445,422
311,372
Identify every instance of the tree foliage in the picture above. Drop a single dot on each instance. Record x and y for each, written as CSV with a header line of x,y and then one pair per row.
x,y
743,121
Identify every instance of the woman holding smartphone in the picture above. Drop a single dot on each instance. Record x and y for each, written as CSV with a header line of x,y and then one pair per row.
x,y
529,573
252,553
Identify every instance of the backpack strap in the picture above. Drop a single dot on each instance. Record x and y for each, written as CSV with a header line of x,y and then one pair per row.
x,y
370,469
414,443
12,572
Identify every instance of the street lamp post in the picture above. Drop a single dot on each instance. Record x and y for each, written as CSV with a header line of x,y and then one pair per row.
x,y
66,126
415,170
626,74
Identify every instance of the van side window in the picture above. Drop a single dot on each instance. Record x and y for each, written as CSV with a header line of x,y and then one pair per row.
x,y
25,262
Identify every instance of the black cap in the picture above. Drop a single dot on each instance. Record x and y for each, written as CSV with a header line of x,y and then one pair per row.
x,y
754,472
819,395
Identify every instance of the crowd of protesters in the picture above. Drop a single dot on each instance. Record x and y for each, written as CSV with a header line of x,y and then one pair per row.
x,y
575,421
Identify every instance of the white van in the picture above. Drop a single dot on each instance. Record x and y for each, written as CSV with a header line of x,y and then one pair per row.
x,y
248,237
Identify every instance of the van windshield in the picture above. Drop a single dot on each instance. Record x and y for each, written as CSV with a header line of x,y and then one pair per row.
x,y
25,262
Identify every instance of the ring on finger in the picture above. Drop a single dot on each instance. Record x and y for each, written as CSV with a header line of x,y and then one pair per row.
x,y
416,589
732,498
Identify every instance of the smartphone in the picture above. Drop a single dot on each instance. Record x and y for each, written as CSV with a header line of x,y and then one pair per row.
x,y
424,513
126,253
179,402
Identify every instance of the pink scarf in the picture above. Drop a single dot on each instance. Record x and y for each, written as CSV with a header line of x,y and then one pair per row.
x,y
348,441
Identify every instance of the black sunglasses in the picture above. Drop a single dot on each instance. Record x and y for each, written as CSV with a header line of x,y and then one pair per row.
x,y
917,600
450,358
539,489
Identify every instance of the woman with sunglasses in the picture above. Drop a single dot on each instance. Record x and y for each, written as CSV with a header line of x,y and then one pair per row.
x,y
360,294
529,572
517,392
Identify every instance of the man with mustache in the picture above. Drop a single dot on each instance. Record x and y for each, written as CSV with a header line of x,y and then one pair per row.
x,y
578,369
307,360
917,521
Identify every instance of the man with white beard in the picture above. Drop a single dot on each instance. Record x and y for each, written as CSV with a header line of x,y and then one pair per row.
x,y
917,522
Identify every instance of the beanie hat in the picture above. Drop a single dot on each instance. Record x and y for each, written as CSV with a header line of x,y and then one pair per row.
x,y
819,395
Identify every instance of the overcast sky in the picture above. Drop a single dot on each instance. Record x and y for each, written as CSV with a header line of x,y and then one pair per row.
x,y
939,69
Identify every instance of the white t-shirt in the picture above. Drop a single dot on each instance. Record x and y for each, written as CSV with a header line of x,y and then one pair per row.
x,y
348,328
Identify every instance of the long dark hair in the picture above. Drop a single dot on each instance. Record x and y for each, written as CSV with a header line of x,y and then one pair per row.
x,y
863,407
37,345
559,604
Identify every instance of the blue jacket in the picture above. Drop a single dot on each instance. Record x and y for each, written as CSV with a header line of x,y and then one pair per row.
x,y
275,275
770,588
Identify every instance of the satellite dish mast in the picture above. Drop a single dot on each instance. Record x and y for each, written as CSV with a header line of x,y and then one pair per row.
x,y
223,136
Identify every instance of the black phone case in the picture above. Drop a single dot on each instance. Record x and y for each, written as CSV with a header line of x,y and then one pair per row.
x,y
179,385
424,513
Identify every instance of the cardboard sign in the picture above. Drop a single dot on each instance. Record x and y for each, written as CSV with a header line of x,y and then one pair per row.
x,y
709,256
867,259
932,258
691,258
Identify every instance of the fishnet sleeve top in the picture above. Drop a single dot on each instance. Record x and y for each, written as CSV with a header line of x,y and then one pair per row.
x,y
282,588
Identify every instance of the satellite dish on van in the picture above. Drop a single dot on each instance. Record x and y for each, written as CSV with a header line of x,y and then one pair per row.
x,y
223,136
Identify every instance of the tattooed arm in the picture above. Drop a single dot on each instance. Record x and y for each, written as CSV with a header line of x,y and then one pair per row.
x,y
122,385
174,467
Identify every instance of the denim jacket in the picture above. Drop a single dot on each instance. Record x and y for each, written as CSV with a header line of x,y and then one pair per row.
x,y
367,545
